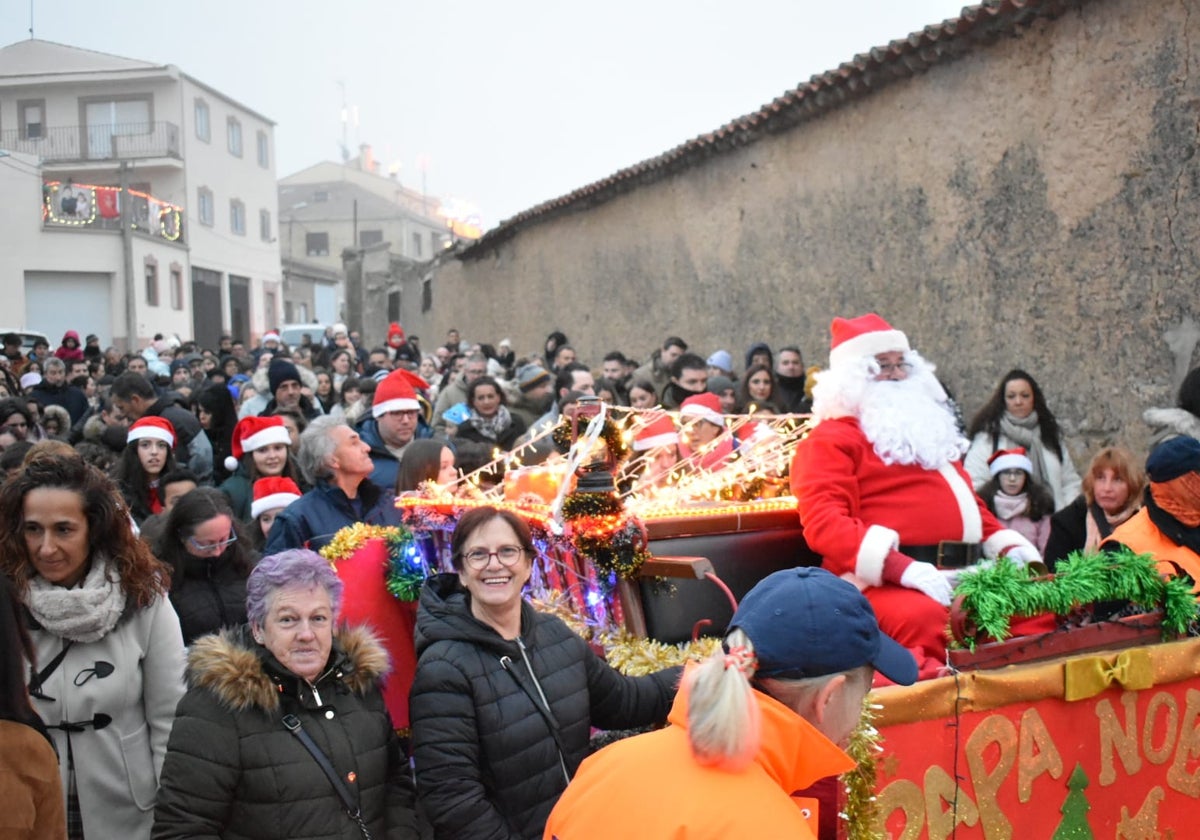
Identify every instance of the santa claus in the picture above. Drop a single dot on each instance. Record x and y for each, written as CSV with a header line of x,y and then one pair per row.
x,y
881,492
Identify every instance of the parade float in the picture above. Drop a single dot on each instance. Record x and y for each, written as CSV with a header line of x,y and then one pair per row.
x,y
1090,730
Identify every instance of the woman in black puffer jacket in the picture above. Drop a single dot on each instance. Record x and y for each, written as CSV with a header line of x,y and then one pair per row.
x,y
233,770
504,696
210,558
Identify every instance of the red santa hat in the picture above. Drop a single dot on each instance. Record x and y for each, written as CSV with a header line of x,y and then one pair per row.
x,y
270,335
152,428
252,433
660,431
396,393
273,492
395,336
866,335
1010,459
704,407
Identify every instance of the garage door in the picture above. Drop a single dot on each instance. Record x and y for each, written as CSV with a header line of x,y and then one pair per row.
x,y
57,301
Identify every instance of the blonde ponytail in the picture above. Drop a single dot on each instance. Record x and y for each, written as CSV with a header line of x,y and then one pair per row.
x,y
724,722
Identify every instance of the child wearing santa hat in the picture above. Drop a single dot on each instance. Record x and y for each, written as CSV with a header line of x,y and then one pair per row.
x,y
149,454
704,438
271,495
655,451
1019,500
261,448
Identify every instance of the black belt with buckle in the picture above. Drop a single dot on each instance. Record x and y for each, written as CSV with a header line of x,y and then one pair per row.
x,y
948,554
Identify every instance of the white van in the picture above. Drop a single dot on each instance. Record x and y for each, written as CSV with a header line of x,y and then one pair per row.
x,y
293,334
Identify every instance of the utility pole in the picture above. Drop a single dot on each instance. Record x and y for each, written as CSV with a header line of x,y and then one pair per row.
x,y
131,328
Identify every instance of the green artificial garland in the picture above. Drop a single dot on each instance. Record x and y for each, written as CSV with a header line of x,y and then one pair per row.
x,y
992,595
610,432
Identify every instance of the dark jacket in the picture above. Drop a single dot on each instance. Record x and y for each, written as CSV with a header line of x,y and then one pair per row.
x,y
208,595
240,491
234,771
192,448
386,464
67,396
789,394
487,763
506,440
313,519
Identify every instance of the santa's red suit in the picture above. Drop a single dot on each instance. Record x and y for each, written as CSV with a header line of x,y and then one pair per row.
x,y
857,511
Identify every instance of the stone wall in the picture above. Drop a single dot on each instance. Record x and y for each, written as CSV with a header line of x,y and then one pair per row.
x,y
1031,204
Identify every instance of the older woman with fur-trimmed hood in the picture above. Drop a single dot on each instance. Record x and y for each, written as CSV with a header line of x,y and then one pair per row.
x,y
237,760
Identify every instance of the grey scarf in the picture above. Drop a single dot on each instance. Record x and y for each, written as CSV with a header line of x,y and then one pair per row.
x,y
85,613
1025,432
491,427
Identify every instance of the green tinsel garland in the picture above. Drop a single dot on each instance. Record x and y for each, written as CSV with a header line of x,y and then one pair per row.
x,y
403,580
618,449
577,505
993,594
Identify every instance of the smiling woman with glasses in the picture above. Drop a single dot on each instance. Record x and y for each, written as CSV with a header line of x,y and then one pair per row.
x,y
200,541
505,697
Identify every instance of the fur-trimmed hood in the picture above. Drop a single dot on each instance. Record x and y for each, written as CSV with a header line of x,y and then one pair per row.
x,y
261,381
1171,422
244,675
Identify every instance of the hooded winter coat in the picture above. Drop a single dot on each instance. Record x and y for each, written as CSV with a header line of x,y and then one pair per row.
x,y
208,593
233,770
70,354
487,761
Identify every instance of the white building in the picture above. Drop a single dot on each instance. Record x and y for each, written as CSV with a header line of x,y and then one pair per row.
x,y
91,138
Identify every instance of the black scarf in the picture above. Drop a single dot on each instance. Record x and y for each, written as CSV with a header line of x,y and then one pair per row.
x,y
1172,528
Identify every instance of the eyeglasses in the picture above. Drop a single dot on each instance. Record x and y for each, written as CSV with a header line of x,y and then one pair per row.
x,y
478,558
206,548
903,367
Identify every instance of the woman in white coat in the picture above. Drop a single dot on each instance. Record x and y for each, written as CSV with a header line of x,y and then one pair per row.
x,y
1017,415
109,650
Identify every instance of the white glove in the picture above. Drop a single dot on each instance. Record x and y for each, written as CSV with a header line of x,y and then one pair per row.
x,y
927,578
1023,555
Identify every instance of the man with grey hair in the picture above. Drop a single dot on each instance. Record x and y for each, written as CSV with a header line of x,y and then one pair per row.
x,y
54,390
336,461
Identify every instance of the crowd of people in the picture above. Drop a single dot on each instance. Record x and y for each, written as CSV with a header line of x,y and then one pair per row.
x,y
162,512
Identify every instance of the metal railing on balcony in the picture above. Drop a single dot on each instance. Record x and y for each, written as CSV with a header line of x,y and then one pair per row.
x,y
71,143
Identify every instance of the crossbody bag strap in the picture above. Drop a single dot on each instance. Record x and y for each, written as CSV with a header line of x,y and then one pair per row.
x,y
349,800
36,681
551,722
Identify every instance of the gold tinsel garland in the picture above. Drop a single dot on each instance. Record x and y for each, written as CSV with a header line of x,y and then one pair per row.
x,y
861,812
351,538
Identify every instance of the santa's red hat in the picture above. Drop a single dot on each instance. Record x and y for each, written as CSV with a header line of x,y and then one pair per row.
x,y
1010,459
703,406
152,428
396,393
866,335
252,433
660,431
395,336
273,492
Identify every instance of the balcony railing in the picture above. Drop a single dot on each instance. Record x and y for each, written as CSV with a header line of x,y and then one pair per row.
x,y
72,206
72,143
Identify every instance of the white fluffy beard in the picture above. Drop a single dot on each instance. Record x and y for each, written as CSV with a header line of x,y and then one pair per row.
x,y
907,422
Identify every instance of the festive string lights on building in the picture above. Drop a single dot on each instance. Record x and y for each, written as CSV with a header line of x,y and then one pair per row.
x,y
71,204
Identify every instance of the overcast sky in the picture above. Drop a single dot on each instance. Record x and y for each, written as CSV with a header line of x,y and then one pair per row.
x,y
508,103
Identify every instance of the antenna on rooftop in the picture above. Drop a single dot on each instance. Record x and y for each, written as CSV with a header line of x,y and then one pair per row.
x,y
345,119
31,19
